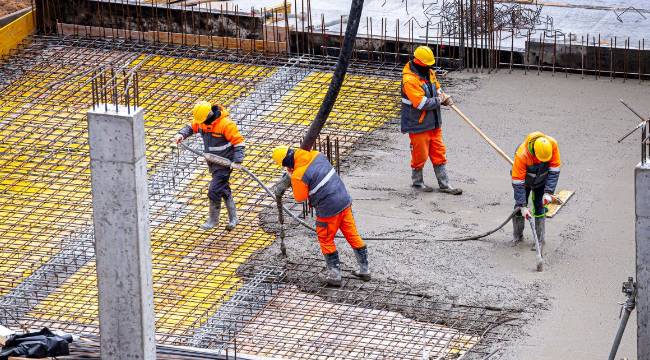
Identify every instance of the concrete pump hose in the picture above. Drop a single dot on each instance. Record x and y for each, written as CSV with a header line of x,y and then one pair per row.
x,y
354,18
371,238
225,162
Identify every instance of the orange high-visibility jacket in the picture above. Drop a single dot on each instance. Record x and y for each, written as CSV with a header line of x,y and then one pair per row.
x,y
528,171
420,101
221,137
315,179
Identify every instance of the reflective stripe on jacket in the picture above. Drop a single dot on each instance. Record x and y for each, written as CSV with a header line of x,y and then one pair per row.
x,y
221,137
528,171
420,101
315,179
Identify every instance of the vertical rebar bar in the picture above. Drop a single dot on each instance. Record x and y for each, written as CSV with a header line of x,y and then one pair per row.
x,y
598,58
611,60
338,155
554,51
512,47
625,60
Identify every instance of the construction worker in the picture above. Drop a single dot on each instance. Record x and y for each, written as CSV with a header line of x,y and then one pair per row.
x,y
314,178
220,137
421,119
536,170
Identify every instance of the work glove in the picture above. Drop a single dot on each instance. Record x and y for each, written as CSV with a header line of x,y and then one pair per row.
x,y
547,199
235,166
525,212
178,138
446,100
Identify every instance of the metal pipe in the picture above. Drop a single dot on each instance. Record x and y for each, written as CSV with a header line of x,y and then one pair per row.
x,y
629,289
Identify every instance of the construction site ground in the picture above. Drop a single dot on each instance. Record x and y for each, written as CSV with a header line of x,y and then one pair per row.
x,y
571,306
475,293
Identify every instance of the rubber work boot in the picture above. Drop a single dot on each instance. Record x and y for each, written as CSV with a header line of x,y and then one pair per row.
x,y
418,181
362,259
213,215
232,213
540,229
333,269
443,181
518,225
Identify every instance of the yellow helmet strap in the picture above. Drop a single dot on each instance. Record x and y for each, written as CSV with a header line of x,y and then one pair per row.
x,y
531,145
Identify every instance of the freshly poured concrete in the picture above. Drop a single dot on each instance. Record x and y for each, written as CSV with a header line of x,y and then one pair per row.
x,y
573,305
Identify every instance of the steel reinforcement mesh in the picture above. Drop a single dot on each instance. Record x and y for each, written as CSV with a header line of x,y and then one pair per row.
x,y
201,296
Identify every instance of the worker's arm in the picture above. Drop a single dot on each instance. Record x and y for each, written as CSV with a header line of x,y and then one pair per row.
x,y
183,134
231,133
300,190
518,180
442,96
553,171
186,131
416,95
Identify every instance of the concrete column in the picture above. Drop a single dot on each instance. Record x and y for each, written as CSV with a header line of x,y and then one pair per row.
x,y
642,209
121,220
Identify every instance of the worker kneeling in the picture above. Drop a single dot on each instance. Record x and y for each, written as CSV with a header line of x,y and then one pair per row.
x,y
536,170
421,119
314,178
220,137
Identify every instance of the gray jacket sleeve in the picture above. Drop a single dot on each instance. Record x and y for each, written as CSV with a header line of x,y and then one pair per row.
x,y
551,181
238,157
431,103
520,194
186,131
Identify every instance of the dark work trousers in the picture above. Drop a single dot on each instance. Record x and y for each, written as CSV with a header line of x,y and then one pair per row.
x,y
538,204
219,186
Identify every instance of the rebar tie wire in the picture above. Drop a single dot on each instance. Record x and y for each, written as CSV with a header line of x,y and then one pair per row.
x,y
225,162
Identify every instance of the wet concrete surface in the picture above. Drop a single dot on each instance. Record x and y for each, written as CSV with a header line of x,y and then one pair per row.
x,y
572,306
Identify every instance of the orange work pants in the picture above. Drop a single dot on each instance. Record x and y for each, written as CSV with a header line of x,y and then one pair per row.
x,y
326,228
427,145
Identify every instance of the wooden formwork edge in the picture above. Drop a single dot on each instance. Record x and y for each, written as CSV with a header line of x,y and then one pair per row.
x,y
221,42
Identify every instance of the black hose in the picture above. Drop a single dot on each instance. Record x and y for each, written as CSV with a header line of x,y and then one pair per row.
x,y
337,79
226,162
371,238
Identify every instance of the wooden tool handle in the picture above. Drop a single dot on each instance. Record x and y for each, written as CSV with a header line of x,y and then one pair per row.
x,y
485,137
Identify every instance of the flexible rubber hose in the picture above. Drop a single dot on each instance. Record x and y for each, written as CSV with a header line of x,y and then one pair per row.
x,y
337,78
375,238
225,162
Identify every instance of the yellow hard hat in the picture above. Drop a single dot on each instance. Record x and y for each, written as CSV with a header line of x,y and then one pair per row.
x,y
201,111
279,153
424,54
543,149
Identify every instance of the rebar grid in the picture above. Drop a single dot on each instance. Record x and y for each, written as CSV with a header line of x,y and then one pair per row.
x,y
305,319
46,230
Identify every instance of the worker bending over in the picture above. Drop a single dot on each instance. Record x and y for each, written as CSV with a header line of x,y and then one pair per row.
x,y
220,137
536,169
421,119
314,178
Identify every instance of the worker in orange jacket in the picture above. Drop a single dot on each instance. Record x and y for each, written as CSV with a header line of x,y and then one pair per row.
x,y
421,119
313,178
220,137
536,170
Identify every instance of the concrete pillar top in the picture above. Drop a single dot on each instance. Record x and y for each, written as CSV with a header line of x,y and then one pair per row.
x,y
109,109
116,136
